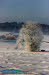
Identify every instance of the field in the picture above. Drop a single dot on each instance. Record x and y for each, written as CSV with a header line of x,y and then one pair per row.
x,y
32,62
36,63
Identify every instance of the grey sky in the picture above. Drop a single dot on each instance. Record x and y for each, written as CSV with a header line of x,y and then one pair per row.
x,y
23,10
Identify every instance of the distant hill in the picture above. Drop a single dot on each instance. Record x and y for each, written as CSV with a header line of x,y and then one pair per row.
x,y
14,26
45,29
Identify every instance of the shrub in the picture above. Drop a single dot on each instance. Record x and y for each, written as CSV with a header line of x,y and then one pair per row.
x,y
30,37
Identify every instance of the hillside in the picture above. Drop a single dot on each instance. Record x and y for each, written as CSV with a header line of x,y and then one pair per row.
x,y
14,26
45,29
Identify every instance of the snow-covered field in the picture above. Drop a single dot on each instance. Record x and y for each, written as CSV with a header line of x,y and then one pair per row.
x,y
36,63
6,46
2,33
45,43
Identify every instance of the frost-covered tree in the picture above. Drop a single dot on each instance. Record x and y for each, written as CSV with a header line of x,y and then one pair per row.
x,y
30,37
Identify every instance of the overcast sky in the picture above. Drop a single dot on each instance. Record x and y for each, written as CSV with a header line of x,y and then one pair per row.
x,y
23,10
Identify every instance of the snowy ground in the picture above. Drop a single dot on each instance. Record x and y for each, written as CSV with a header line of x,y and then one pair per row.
x,y
45,43
36,63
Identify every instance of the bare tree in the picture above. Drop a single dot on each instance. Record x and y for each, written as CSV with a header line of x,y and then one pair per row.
x,y
30,37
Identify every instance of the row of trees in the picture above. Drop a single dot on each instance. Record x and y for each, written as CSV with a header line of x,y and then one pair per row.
x,y
10,25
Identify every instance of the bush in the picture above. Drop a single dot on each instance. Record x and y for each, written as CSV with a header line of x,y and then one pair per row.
x,y
30,37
